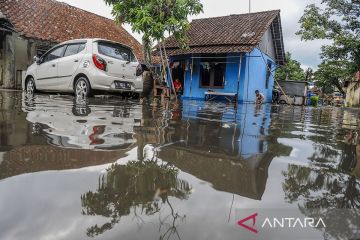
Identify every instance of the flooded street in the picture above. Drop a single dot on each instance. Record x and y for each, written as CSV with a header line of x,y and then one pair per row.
x,y
108,168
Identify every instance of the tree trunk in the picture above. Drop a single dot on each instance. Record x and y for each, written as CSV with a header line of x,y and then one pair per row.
x,y
337,84
147,50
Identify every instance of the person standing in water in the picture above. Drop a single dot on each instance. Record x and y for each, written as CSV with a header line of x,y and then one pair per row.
x,y
259,97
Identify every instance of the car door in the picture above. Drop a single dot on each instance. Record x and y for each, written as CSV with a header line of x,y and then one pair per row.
x,y
47,70
69,63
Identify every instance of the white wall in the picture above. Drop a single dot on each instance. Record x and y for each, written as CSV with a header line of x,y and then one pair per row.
x,y
353,94
267,44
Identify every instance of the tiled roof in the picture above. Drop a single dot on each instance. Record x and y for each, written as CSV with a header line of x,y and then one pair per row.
x,y
213,49
234,33
53,21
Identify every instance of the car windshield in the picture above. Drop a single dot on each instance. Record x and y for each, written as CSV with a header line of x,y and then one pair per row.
x,y
116,51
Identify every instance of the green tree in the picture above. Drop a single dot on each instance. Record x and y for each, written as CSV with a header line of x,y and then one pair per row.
x,y
337,21
291,70
332,74
155,18
309,74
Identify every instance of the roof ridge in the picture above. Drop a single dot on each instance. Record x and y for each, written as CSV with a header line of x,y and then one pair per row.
x,y
239,14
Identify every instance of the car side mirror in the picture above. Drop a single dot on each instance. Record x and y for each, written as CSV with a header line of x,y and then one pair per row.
x,y
37,59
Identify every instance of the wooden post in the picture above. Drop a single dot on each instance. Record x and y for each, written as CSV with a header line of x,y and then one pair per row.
x,y
191,75
238,82
167,64
163,69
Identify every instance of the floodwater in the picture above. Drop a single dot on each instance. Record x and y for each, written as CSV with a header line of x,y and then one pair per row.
x,y
108,168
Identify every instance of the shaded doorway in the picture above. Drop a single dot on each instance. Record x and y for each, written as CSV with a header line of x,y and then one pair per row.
x,y
178,72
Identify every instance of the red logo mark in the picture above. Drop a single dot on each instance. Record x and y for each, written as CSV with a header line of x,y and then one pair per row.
x,y
242,221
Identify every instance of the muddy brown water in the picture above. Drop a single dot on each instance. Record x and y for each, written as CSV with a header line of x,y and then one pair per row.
x,y
108,168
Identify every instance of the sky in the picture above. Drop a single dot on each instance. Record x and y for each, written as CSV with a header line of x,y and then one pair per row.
x,y
307,53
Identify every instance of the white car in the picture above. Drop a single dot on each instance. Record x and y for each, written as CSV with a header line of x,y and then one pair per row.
x,y
83,66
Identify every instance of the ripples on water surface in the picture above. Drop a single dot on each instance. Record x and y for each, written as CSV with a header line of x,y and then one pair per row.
x,y
108,168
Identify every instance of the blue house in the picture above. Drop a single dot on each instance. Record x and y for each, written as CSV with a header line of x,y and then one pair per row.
x,y
234,54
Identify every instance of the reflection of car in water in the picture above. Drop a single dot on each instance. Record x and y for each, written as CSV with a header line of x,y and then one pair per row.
x,y
67,122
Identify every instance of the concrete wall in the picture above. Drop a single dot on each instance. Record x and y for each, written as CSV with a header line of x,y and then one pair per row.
x,y
294,88
2,55
8,63
16,56
252,77
353,94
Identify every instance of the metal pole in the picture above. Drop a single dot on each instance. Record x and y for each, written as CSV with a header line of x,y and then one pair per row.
x,y
239,76
162,62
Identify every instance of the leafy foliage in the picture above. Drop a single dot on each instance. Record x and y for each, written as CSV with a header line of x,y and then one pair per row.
x,y
332,74
309,74
291,70
339,22
155,18
314,100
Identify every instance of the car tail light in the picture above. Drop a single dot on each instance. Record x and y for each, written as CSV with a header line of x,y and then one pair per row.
x,y
139,70
99,62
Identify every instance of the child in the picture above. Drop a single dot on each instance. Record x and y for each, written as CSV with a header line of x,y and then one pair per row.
x,y
177,86
259,97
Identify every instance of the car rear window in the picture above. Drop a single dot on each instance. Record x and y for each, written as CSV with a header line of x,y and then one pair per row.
x,y
116,51
73,49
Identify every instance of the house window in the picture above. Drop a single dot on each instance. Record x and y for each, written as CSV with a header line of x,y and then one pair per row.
x,y
212,72
268,74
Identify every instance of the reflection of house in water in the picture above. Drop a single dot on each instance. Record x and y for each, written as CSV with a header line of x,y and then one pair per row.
x,y
235,175
226,147
36,158
14,129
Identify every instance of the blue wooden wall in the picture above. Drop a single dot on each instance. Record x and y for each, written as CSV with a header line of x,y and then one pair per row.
x,y
253,77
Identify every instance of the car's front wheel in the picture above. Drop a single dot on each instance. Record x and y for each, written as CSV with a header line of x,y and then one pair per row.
x,y
30,86
82,87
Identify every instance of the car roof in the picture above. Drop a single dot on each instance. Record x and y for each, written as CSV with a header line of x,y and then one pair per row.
x,y
84,40
93,40
110,41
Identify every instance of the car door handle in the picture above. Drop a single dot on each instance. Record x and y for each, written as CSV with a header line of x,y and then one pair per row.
x,y
110,62
53,65
76,60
